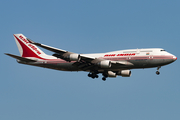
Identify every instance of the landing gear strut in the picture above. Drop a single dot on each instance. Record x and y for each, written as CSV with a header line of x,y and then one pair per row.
x,y
157,72
104,76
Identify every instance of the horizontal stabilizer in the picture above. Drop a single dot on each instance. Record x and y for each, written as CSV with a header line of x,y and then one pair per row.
x,y
20,58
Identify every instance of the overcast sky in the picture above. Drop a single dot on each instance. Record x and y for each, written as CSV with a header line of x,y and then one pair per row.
x,y
89,26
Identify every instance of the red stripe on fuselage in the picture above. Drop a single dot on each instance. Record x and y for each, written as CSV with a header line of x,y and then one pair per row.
x,y
139,57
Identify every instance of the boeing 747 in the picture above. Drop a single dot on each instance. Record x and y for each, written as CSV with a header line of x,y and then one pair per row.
x,y
110,64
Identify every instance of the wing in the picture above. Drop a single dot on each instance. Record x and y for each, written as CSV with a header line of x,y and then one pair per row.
x,y
84,62
63,54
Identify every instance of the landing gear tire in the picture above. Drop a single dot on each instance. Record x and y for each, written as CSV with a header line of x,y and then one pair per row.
x,y
89,75
157,72
96,76
104,78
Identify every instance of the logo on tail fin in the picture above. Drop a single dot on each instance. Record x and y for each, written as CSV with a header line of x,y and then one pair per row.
x,y
30,45
26,48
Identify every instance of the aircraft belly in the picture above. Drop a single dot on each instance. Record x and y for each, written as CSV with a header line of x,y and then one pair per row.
x,y
160,62
67,67
148,63
56,66
141,63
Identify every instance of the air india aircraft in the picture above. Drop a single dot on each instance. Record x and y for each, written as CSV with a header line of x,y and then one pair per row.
x,y
110,64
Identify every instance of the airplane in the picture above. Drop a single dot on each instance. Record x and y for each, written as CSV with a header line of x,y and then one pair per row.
x,y
109,64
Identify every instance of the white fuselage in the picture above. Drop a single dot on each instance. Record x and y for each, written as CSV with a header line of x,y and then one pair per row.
x,y
141,58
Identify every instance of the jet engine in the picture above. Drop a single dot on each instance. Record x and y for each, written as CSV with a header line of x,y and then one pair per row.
x,y
124,73
111,74
73,57
105,64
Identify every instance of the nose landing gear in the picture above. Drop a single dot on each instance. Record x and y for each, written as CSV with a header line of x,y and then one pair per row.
x,y
157,72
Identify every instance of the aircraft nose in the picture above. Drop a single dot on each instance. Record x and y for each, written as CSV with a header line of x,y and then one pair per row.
x,y
174,58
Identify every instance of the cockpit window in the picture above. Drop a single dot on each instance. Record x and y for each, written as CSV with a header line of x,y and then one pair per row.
x,y
163,50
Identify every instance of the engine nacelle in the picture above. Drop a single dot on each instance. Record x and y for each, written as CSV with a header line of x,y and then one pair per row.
x,y
105,64
124,73
111,74
73,57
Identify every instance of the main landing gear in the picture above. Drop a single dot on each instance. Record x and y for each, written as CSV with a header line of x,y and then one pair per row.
x,y
94,75
157,72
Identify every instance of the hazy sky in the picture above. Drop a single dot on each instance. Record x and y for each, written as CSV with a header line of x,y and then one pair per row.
x,y
89,26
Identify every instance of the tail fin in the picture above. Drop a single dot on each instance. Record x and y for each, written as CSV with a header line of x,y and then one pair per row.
x,y
27,49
